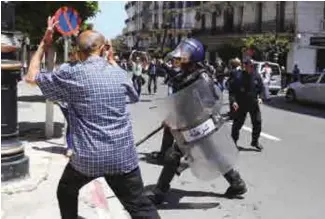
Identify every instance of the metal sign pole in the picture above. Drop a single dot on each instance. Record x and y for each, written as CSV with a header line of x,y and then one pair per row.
x,y
66,49
49,109
66,59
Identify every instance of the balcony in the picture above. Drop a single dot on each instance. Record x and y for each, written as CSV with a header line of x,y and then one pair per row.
x,y
251,28
190,4
179,4
156,6
126,20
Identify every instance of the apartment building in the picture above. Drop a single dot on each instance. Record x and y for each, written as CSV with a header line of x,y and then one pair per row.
x,y
217,23
302,22
148,22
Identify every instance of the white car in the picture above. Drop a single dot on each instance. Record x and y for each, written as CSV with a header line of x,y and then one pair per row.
x,y
310,89
275,83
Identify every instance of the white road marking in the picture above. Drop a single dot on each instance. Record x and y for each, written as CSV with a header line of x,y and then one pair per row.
x,y
265,135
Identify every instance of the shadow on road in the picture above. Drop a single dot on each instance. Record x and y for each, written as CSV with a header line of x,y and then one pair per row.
x,y
301,108
145,101
175,195
35,131
52,149
141,101
33,99
148,158
240,148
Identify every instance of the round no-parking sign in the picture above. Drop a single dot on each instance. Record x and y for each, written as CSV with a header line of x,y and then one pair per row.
x,y
68,21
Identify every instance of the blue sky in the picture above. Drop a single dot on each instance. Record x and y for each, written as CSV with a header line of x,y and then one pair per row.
x,y
110,21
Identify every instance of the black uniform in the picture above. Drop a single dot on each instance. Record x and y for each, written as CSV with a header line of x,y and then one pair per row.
x,y
173,155
245,89
168,139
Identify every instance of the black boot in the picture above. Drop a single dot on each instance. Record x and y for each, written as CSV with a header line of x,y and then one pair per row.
x,y
171,165
158,194
237,185
257,145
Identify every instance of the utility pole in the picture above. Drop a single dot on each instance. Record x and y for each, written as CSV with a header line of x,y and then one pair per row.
x,y
49,106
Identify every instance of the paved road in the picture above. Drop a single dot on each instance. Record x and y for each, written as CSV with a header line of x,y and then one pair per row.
x,y
285,181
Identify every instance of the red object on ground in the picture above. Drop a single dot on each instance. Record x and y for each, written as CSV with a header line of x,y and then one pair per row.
x,y
98,196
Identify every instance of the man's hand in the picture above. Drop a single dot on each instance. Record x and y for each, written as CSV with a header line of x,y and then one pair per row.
x,y
48,36
260,101
163,123
235,106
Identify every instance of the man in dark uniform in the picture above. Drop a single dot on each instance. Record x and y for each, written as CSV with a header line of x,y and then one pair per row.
x,y
235,67
245,92
167,139
192,69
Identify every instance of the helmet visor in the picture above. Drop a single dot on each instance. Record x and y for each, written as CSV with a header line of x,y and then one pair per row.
x,y
182,52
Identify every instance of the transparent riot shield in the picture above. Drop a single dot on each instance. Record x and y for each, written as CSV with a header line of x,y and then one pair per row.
x,y
200,132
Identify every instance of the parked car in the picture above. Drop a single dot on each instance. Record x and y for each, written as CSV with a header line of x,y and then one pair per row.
x,y
310,89
275,83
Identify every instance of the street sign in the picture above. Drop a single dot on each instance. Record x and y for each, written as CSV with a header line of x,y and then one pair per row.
x,y
69,21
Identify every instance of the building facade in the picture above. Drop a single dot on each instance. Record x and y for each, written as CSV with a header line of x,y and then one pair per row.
x,y
302,22
150,24
218,23
308,48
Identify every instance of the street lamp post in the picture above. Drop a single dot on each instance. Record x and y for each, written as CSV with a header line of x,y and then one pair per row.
x,y
14,163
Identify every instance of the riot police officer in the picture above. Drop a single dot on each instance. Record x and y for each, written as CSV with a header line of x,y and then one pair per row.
x,y
190,54
245,92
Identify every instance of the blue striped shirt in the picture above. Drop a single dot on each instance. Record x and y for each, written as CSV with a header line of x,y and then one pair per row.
x,y
101,130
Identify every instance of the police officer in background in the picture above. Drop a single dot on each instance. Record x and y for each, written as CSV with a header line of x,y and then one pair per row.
x,y
235,67
245,92
190,54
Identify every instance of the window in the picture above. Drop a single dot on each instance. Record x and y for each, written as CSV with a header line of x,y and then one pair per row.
x,y
214,20
203,21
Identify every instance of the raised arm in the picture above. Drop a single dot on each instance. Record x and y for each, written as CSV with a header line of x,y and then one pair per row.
x,y
131,55
35,63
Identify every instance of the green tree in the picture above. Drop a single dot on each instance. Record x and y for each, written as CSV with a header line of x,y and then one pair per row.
x,y
119,45
31,17
266,46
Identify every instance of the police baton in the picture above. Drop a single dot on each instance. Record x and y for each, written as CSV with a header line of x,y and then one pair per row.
x,y
150,135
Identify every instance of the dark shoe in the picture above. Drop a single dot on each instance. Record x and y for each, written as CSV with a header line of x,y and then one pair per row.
x,y
236,189
157,196
237,185
257,145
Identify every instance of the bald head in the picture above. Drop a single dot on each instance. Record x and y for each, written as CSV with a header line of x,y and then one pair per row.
x,y
91,42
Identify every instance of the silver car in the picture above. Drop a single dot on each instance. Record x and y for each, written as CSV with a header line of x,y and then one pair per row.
x,y
310,89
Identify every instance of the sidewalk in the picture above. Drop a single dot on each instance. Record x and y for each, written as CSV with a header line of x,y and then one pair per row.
x,y
35,197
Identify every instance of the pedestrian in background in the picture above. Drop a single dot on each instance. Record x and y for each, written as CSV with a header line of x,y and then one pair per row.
x,y
245,92
235,70
137,68
101,130
152,73
266,76
296,73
